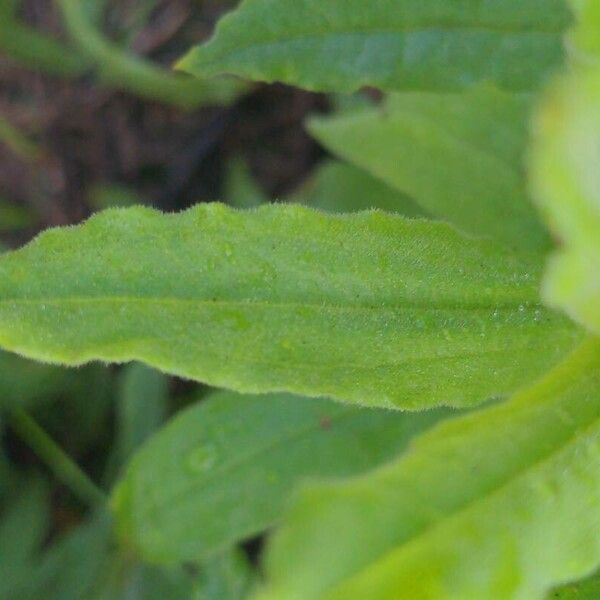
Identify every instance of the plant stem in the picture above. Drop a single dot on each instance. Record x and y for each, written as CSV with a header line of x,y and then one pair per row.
x,y
63,467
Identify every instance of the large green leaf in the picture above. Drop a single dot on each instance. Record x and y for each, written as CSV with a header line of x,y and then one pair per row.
x,y
502,503
342,45
252,447
458,155
370,308
566,179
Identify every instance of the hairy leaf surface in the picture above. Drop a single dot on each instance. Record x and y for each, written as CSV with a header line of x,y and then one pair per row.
x,y
475,509
342,45
257,448
460,156
370,308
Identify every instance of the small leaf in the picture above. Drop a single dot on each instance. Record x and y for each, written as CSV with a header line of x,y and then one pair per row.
x,y
477,508
252,447
343,45
369,308
460,156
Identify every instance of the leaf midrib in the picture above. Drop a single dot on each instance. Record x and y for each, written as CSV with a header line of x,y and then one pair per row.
x,y
509,305
423,29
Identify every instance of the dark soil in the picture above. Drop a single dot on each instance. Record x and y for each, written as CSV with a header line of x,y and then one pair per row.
x,y
90,135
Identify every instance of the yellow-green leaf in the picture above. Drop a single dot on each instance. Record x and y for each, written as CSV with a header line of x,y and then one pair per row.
x,y
371,308
502,503
566,181
460,156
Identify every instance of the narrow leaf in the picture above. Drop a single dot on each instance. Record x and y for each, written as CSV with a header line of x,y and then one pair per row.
x,y
476,509
342,45
142,403
460,156
252,447
369,308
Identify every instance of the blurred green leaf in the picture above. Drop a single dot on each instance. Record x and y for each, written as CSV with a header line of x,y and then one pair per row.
x,y
343,45
370,308
142,404
23,381
256,448
24,525
501,503
241,190
586,589
339,187
460,156
566,179
111,195
225,576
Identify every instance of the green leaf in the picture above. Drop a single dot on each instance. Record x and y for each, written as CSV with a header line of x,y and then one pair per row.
x,y
24,525
226,576
256,447
23,382
73,566
369,308
501,503
241,190
143,403
566,180
460,156
583,40
342,45
339,187
586,589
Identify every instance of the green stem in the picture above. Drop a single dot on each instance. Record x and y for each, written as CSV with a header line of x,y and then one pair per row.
x,y
63,467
